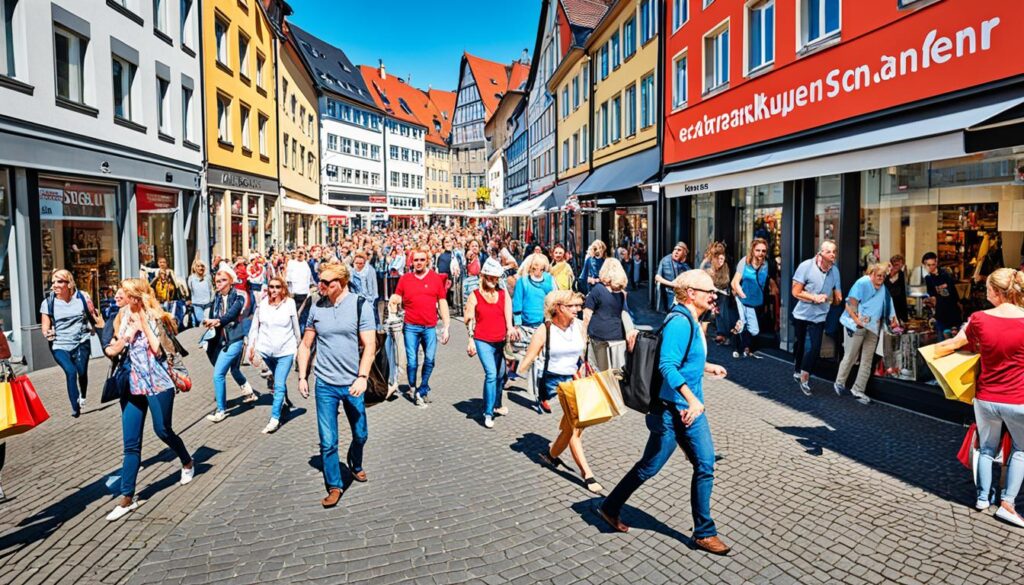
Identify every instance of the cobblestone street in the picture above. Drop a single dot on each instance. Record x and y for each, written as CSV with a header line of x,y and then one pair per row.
x,y
807,490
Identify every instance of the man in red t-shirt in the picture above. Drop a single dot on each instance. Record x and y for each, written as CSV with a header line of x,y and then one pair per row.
x,y
422,296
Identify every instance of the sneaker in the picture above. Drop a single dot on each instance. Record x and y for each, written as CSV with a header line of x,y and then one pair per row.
x,y
1011,517
751,354
982,505
427,399
545,406
217,416
188,474
489,421
252,396
736,355
796,376
420,402
271,426
265,373
121,511
805,387
81,403
860,396
839,388
501,411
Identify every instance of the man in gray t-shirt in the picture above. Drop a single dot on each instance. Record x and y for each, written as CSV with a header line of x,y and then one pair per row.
x,y
338,328
815,286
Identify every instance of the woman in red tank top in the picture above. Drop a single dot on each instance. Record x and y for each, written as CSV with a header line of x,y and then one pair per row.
x,y
489,324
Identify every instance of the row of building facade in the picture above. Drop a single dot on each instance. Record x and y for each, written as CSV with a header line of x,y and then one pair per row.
x,y
894,127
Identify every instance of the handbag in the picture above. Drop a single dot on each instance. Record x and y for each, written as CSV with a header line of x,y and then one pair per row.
x,y
179,373
116,384
957,373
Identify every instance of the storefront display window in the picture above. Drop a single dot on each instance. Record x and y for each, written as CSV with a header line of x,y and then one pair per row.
x,y
155,212
968,211
236,225
703,214
6,292
269,223
253,213
77,232
826,210
759,213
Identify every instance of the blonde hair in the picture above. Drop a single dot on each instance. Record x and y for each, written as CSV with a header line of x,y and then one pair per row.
x,y
65,275
876,267
691,279
594,246
612,275
197,264
532,259
559,297
336,271
138,288
753,244
1009,283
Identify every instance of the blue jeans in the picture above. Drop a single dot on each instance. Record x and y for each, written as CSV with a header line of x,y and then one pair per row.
x,y
229,359
200,312
133,418
327,399
991,416
281,367
415,337
803,361
547,386
75,364
667,430
493,360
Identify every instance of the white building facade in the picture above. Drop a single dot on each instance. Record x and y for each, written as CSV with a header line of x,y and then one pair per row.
x,y
353,158
100,149
405,166
541,104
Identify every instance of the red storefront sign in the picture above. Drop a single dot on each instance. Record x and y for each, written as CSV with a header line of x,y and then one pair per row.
x,y
941,48
337,220
379,199
153,199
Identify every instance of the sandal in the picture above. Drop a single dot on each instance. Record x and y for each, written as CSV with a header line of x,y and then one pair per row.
x,y
592,485
548,460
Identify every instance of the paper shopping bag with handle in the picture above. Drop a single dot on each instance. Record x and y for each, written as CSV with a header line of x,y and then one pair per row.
x,y
609,381
957,373
592,404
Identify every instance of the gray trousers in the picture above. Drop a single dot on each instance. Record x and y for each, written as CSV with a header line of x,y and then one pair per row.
x,y
860,345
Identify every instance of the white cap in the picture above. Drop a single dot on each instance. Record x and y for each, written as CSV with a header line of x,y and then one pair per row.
x,y
491,268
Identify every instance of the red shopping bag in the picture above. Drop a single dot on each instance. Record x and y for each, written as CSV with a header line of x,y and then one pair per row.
x,y
35,405
970,444
17,405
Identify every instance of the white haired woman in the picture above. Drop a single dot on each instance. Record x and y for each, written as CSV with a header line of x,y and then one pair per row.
x,y
533,285
606,319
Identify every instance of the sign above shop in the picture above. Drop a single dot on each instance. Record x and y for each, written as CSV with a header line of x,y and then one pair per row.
x,y
58,200
150,199
226,179
378,199
941,48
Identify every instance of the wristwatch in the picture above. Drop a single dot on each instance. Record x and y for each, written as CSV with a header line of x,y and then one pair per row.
x,y
361,376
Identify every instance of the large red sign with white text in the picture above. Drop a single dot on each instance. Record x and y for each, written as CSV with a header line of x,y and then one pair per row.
x,y
941,48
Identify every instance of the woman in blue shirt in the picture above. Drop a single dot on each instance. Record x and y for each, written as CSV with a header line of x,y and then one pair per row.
x,y
868,308
749,283
534,283
677,417
590,274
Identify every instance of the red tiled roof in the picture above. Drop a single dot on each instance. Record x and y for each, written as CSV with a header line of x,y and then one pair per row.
x,y
586,13
390,92
491,81
443,107
518,74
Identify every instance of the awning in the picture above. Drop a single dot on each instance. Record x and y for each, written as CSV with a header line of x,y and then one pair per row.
x,y
290,205
625,173
527,207
925,139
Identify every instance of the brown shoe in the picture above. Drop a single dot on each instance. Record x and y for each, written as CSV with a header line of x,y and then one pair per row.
x,y
359,476
612,521
713,545
333,496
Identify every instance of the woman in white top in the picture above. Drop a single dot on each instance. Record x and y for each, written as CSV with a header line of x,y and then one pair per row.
x,y
560,362
275,336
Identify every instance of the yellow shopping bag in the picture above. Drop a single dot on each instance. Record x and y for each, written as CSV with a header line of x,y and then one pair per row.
x,y
609,380
585,402
957,373
8,418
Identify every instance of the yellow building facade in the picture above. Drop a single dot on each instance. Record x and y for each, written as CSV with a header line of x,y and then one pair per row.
x,y
299,125
623,51
437,176
570,86
243,191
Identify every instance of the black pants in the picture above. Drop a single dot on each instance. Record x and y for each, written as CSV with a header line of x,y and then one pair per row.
x,y
803,361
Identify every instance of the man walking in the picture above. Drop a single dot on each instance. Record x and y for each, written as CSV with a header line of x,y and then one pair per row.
x,y
421,293
815,286
339,323
677,416
670,267
299,276
942,296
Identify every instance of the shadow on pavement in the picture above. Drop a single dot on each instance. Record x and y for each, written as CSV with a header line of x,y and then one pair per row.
x,y
45,522
635,518
532,445
317,463
472,408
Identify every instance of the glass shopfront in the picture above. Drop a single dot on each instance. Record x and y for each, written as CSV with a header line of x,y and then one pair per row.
x,y
968,211
826,209
759,215
6,293
156,211
703,229
77,232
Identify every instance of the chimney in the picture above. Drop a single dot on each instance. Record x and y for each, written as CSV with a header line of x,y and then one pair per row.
x,y
383,71
408,79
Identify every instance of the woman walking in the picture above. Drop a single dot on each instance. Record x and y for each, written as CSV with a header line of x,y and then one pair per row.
x,y
474,263
489,325
561,358
590,274
68,319
275,336
868,308
142,330
715,264
998,335
533,285
226,338
201,291
605,318
748,283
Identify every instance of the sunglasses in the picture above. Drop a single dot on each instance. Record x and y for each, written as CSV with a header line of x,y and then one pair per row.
x,y
710,292
327,282
60,281
572,305
274,286
419,259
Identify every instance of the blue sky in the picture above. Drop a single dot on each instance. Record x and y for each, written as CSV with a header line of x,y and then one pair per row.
x,y
422,38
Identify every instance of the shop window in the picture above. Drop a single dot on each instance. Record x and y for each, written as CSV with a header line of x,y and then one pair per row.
x,y
8,30
716,58
69,58
826,210
253,224
760,34
819,20
269,223
155,215
6,224
236,225
703,228
77,233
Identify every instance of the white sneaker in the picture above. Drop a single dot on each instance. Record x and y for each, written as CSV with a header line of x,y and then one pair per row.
x,y
860,396
188,474
736,355
489,421
805,387
217,416
1011,517
420,402
120,512
796,376
81,403
501,411
839,388
246,388
982,505
271,426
